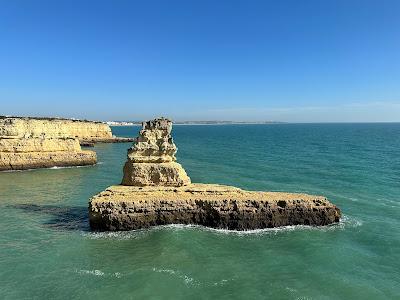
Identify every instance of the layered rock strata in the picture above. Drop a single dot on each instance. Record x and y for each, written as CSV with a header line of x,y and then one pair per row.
x,y
156,190
84,131
29,143
151,159
127,207
33,153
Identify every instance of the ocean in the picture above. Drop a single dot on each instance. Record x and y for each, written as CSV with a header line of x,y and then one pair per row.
x,y
47,250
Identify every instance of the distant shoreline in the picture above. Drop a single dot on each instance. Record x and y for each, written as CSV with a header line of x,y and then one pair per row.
x,y
122,123
254,123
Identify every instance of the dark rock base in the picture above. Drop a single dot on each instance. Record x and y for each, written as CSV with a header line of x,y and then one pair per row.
x,y
127,208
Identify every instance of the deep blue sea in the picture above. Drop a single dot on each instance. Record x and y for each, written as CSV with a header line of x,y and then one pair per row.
x,y
47,250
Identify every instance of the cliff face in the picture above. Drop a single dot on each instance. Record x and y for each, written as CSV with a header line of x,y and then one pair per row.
x,y
21,145
41,152
28,143
45,159
15,127
156,190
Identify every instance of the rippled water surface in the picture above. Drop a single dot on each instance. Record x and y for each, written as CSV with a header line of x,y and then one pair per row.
x,y
48,252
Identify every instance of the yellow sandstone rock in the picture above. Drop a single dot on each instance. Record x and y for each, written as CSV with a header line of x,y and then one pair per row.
x,y
151,159
38,144
154,174
20,127
35,160
218,206
28,143
156,190
84,131
32,153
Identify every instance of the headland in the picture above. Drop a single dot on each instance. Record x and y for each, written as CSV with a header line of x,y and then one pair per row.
x,y
31,142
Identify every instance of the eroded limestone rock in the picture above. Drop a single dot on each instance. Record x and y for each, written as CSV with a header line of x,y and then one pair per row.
x,y
18,145
225,207
35,127
29,143
28,127
156,191
151,159
45,159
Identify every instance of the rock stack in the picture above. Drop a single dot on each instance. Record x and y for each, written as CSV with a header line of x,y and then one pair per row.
x,y
155,190
151,159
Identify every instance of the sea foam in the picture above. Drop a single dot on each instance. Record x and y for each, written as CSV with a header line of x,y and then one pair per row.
x,y
345,222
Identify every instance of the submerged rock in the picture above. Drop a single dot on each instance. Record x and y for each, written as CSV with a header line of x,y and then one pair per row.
x,y
156,190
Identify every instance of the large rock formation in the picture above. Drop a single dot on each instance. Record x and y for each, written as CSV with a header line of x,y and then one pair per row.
x,y
29,143
32,153
155,190
128,207
84,131
151,160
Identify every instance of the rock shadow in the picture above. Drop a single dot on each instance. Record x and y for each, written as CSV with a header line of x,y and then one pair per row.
x,y
61,217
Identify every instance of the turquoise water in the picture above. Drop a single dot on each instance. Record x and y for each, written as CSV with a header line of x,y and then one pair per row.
x,y
48,252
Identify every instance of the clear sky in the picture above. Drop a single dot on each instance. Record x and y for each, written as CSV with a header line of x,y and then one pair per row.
x,y
296,61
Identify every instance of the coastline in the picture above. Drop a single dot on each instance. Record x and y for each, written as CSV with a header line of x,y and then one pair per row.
x,y
206,124
51,205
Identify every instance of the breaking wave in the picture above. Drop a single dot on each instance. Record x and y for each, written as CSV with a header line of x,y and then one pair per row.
x,y
345,222
98,273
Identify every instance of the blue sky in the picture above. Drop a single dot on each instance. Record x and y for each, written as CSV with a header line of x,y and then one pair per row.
x,y
296,61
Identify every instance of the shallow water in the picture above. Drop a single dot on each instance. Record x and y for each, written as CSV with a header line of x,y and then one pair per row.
x,y
48,251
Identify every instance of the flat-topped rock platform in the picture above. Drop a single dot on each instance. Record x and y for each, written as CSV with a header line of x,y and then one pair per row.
x,y
131,207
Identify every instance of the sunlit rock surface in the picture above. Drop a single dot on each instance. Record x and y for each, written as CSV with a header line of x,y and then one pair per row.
x,y
156,190
30,143
151,159
32,127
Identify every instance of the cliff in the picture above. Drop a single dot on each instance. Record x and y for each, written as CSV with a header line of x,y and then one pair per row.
x,y
17,145
29,143
32,153
156,190
84,131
